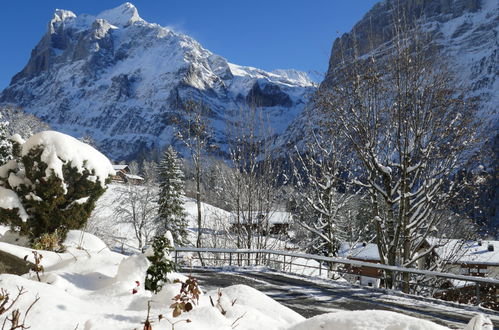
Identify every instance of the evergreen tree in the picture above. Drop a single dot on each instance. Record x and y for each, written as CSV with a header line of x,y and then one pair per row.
x,y
171,214
5,144
161,263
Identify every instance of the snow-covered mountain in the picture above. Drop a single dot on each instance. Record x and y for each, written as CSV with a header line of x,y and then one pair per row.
x,y
122,80
466,33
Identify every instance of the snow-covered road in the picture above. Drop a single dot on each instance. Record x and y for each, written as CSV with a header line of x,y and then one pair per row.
x,y
311,297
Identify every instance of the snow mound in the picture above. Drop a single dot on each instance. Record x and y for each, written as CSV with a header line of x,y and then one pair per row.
x,y
260,308
85,241
59,149
132,268
479,322
366,320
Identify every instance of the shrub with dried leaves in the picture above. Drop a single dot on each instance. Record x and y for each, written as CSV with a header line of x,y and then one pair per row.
x,y
6,305
37,267
188,296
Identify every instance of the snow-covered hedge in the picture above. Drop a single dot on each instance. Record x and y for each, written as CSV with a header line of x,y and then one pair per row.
x,y
52,183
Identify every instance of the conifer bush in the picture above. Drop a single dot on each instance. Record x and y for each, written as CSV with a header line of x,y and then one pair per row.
x,y
161,263
54,202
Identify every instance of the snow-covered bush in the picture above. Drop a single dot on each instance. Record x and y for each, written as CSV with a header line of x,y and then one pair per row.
x,y
52,184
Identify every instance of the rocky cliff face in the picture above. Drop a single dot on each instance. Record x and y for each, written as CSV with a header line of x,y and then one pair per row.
x,y
465,31
122,80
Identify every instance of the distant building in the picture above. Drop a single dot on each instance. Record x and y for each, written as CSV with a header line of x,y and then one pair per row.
x,y
277,222
123,175
474,258
367,252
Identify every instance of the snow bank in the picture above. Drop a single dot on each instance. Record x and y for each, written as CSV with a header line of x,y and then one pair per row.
x,y
479,322
261,308
366,320
98,290
81,240
9,200
60,149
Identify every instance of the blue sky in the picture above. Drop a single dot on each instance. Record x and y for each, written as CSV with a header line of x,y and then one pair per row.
x,y
267,34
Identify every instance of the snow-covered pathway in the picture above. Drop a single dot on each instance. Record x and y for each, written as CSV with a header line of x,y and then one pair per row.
x,y
310,297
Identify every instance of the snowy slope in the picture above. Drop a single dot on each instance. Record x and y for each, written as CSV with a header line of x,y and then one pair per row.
x,y
123,80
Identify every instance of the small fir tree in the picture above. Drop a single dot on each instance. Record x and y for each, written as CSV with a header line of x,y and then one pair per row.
x,y
161,263
171,214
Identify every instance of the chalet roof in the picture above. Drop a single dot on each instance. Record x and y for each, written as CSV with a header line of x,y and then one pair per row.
x,y
133,177
120,167
362,251
467,252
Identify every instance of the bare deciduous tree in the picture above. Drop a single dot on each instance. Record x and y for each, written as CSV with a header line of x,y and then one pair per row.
x,y
251,184
324,205
409,128
137,206
196,136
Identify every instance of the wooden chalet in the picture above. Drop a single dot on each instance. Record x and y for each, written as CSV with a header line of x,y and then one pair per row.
x,y
123,175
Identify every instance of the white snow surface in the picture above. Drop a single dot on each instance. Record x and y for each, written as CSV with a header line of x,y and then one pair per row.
x,y
83,240
91,287
60,149
470,252
359,251
122,15
366,320
9,200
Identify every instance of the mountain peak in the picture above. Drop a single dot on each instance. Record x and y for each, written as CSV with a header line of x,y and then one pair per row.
x,y
60,16
122,15
124,82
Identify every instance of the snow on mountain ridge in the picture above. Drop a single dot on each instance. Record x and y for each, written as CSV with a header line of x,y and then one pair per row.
x,y
122,15
123,81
